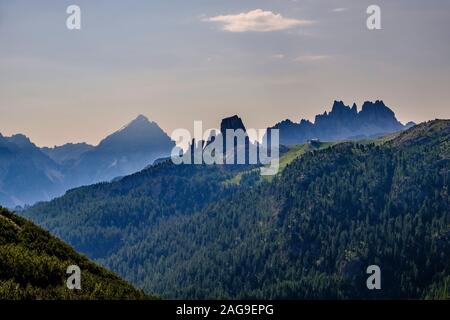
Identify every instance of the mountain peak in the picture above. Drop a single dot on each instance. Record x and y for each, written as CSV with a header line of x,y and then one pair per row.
x,y
233,123
342,123
410,124
140,119
377,104
338,105
339,108
377,108
140,123
140,135
21,141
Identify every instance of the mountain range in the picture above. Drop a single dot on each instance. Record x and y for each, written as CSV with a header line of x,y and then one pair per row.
x,y
343,123
309,232
29,174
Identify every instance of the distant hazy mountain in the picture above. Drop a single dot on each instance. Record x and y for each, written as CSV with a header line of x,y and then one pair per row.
x,y
67,153
342,123
206,232
29,174
126,151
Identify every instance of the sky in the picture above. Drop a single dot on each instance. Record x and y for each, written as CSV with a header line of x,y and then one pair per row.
x,y
176,61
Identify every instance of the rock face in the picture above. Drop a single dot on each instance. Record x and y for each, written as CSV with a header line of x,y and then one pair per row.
x,y
342,123
239,146
233,123
237,151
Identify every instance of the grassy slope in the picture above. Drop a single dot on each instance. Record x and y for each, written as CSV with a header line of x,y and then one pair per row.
x,y
299,150
294,152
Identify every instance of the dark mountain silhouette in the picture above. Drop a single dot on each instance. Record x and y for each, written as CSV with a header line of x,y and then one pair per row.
x,y
29,174
342,123
232,123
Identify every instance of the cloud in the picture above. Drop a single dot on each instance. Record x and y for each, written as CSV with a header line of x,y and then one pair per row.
x,y
278,56
312,58
256,21
340,9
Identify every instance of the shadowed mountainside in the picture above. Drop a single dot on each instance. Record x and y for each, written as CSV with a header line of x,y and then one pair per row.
x,y
309,232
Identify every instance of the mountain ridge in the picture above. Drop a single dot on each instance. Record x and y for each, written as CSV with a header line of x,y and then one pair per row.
x,y
52,171
307,233
29,174
341,123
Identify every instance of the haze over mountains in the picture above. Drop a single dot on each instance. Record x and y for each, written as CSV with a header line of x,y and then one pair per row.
x,y
225,231
126,151
67,154
29,174
309,232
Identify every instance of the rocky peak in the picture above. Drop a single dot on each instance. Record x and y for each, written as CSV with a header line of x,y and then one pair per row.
x,y
138,135
338,106
21,141
139,122
341,110
376,109
342,123
233,123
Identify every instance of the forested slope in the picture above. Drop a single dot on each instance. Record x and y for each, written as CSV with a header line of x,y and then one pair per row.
x,y
33,266
310,232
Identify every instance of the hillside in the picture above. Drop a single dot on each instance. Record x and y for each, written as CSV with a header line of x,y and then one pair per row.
x,y
33,266
309,232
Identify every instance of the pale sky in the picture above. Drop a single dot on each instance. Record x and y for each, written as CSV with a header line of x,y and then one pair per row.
x,y
177,61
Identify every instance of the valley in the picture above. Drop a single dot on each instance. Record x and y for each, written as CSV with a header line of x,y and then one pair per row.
x,y
309,232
